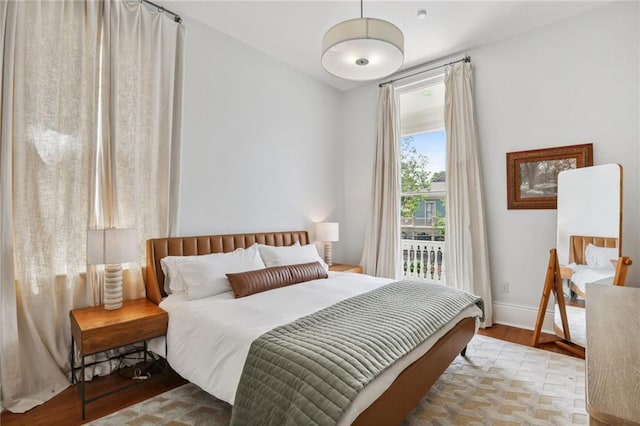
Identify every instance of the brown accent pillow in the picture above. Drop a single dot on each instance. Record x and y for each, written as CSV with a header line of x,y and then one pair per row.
x,y
251,282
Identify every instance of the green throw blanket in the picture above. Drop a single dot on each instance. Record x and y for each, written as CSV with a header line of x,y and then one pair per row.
x,y
309,371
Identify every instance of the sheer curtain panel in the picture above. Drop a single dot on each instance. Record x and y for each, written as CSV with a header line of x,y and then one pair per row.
x,y
381,254
49,107
137,172
466,235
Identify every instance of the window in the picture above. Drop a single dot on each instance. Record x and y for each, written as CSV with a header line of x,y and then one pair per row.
x,y
423,160
423,168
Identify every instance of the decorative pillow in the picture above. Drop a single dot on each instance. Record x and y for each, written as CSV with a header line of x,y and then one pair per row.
x,y
251,282
600,257
290,255
204,276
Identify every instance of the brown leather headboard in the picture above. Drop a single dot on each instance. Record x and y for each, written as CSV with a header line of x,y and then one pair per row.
x,y
158,248
578,244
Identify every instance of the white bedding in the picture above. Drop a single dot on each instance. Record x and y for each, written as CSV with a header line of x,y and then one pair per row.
x,y
209,339
583,274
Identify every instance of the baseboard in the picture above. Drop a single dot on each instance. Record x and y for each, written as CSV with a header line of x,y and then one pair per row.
x,y
521,316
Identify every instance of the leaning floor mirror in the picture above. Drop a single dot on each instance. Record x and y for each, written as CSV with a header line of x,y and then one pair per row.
x,y
589,240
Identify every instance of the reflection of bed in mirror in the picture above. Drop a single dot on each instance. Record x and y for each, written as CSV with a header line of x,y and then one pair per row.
x,y
591,260
588,238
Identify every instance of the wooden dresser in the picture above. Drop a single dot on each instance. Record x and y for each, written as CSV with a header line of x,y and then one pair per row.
x,y
613,355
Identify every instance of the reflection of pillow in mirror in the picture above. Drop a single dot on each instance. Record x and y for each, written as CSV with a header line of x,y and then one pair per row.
x,y
600,257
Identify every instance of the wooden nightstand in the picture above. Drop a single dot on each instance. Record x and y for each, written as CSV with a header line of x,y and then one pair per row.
x,y
95,330
341,267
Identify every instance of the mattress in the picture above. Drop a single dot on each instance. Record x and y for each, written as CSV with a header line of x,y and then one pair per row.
x,y
209,339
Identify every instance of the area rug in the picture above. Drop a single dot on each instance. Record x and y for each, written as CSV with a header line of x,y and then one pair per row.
x,y
497,383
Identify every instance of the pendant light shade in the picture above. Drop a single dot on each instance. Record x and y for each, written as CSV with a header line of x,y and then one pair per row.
x,y
363,49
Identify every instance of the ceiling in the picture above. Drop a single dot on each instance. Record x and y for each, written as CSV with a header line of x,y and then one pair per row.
x,y
422,99
421,109
291,31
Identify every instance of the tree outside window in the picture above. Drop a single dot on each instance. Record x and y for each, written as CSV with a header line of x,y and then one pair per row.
x,y
416,178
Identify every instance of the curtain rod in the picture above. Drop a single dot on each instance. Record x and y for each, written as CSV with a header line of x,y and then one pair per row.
x,y
465,59
161,9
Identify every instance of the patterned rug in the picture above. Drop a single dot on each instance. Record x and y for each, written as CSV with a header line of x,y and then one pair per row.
x,y
497,383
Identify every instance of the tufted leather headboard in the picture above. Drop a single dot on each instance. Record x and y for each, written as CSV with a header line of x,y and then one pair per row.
x,y
578,244
158,248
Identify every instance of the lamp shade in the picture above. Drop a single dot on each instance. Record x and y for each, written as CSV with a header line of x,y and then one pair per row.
x,y
327,231
363,49
111,246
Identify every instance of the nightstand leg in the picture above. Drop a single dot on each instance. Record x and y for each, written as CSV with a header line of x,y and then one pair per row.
x,y
73,362
82,386
166,360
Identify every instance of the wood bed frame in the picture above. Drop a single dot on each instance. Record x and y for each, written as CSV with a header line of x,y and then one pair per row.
x,y
408,388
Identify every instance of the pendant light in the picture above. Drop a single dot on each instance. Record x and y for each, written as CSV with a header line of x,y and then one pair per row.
x,y
362,49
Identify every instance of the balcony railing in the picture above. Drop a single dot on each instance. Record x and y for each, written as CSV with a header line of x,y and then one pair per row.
x,y
423,260
417,221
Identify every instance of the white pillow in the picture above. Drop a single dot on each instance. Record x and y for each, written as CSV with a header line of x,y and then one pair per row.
x,y
172,280
205,276
600,257
290,255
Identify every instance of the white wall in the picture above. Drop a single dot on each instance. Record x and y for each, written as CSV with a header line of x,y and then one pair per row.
x,y
572,82
261,141
359,152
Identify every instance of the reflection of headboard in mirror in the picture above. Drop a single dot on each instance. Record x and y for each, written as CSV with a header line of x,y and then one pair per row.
x,y
578,244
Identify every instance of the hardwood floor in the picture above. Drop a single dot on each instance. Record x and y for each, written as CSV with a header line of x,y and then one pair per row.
x,y
523,337
65,408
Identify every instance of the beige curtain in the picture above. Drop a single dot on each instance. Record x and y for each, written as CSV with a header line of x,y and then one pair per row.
x,y
137,167
90,123
381,254
466,235
142,86
49,100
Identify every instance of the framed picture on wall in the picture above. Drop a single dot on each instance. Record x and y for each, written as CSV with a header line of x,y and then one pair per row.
x,y
532,176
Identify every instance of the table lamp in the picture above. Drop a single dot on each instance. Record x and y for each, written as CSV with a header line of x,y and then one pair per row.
x,y
112,247
327,232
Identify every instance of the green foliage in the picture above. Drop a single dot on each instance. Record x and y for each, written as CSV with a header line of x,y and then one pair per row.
x,y
439,223
409,204
436,175
415,177
440,220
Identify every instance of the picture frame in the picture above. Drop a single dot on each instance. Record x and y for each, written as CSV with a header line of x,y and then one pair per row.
x,y
532,176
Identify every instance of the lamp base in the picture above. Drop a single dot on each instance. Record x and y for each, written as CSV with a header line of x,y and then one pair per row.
x,y
327,253
113,286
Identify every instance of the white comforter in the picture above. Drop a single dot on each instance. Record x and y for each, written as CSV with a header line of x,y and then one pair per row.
x,y
583,274
209,339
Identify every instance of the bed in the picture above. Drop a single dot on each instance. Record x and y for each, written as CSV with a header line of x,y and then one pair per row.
x,y
387,401
584,268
